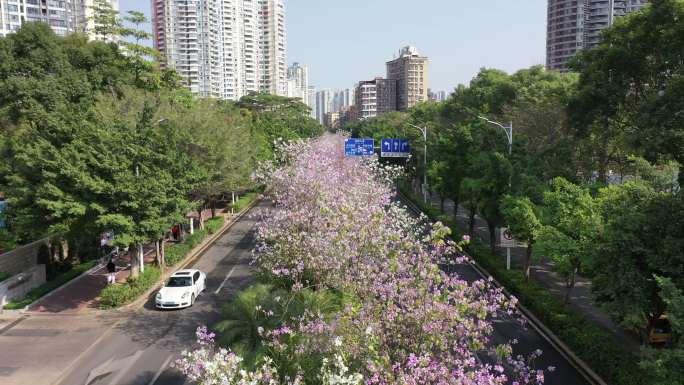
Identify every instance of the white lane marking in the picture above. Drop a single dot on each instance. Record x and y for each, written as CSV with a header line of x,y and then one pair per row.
x,y
122,372
225,280
161,369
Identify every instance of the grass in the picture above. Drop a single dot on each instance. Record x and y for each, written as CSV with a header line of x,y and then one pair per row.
x,y
4,275
49,286
594,345
117,295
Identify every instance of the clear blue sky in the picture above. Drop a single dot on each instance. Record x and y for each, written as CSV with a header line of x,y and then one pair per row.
x,y
344,41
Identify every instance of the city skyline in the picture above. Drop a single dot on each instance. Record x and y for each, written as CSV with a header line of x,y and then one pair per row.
x,y
327,35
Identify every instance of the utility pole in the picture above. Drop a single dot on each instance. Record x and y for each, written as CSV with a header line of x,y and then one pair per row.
x,y
423,131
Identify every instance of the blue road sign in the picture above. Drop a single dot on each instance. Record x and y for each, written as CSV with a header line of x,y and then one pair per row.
x,y
395,148
359,147
3,206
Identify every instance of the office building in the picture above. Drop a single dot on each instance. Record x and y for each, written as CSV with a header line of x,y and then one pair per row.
x,y
573,25
410,71
375,97
223,48
298,82
64,16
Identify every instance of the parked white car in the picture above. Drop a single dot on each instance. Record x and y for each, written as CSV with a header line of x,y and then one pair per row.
x,y
181,290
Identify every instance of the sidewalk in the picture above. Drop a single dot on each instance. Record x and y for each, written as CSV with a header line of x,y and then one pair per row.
x,y
542,273
83,292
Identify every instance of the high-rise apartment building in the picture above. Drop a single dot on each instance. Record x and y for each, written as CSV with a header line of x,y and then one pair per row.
x,y
223,48
272,47
573,25
323,104
63,16
312,100
410,70
375,97
298,82
342,99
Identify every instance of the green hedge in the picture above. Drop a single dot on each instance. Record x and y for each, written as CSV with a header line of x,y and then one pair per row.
x,y
118,295
243,201
4,275
594,345
176,252
49,286
214,224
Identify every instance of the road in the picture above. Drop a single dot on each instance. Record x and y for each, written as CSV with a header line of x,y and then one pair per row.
x,y
138,347
508,328
129,348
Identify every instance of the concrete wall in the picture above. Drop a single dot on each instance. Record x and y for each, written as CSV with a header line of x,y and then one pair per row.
x,y
16,287
22,258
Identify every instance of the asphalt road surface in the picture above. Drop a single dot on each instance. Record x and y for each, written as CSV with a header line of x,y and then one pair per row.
x,y
140,349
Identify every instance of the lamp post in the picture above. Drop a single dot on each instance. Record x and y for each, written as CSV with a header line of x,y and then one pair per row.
x,y
508,130
423,130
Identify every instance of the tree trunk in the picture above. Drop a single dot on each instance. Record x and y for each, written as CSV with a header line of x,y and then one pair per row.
x,y
163,251
135,263
212,202
570,285
471,223
492,237
201,218
528,260
157,254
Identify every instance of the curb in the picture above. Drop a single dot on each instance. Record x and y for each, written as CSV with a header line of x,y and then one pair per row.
x,y
192,256
538,326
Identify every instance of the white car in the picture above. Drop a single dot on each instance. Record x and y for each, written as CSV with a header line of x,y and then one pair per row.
x,y
181,290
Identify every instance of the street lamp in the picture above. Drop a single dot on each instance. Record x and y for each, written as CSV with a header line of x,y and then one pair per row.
x,y
509,135
423,130
508,130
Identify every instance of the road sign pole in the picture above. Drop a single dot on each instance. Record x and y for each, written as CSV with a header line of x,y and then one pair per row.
x,y
508,258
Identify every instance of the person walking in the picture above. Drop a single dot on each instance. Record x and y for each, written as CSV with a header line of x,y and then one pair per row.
x,y
111,272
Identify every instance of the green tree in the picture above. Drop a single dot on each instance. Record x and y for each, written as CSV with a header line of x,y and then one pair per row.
x,y
521,216
631,85
106,20
570,224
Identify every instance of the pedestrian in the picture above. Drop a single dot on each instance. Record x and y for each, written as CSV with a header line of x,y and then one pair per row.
x,y
111,272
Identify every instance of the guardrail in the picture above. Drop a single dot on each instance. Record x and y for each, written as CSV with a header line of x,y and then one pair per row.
x,y
538,326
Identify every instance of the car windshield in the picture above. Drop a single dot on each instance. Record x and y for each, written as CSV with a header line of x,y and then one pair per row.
x,y
179,281
661,326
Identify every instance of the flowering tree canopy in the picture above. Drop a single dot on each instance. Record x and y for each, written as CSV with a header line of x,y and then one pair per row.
x,y
336,227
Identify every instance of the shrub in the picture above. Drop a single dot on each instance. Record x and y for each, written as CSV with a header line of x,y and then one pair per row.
x,y
49,286
117,295
214,224
4,275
